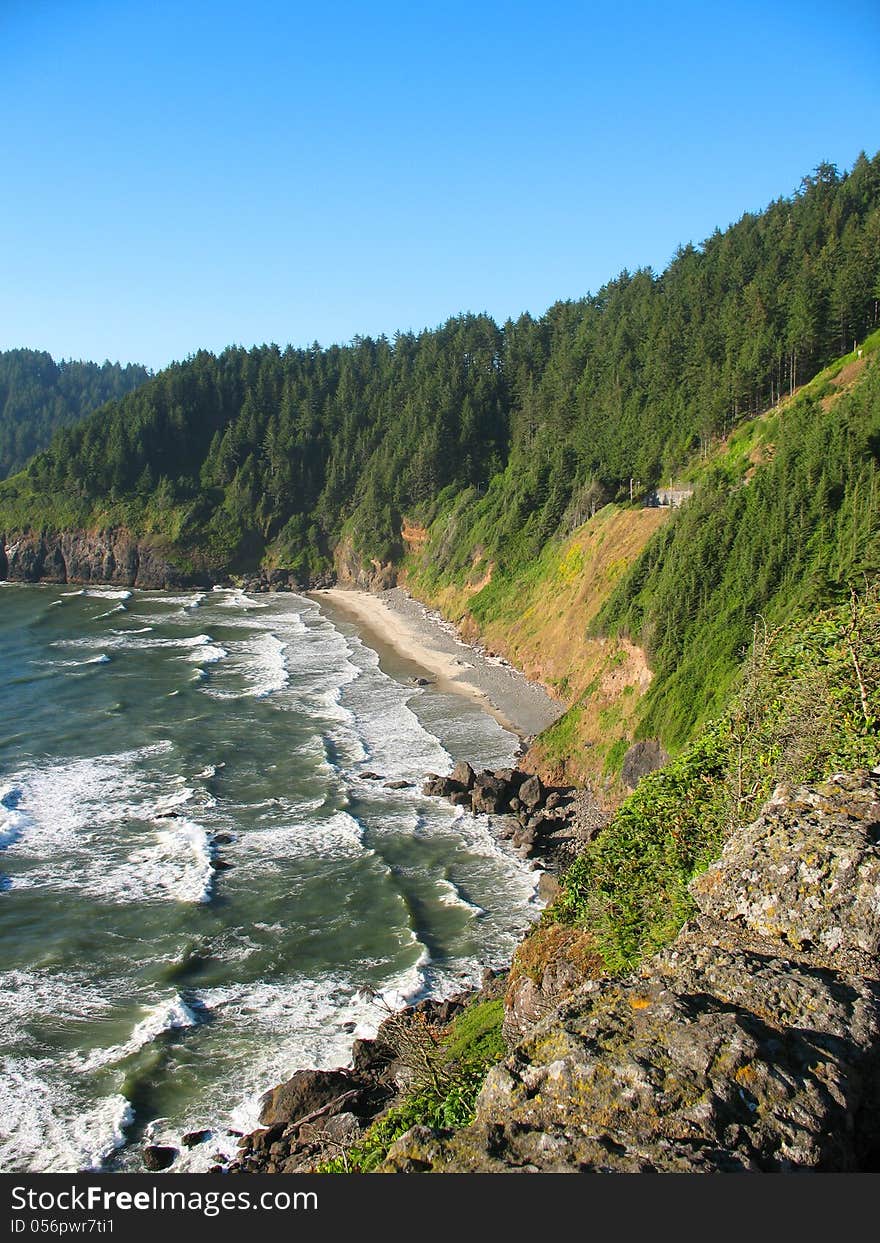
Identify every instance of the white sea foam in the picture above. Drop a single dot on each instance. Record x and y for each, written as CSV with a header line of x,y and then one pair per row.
x,y
12,820
124,639
46,1126
294,835
450,895
395,740
177,866
105,593
168,1015
259,663
70,815
101,659
40,994
120,608
206,654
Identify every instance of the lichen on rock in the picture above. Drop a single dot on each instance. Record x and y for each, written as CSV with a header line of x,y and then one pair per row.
x,y
750,1043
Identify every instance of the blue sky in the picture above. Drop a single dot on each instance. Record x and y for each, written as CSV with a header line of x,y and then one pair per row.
x,y
179,175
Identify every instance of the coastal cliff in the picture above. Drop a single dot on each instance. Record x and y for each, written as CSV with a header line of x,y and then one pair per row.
x,y
751,1043
702,991
110,556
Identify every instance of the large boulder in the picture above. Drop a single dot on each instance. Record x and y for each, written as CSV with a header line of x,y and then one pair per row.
x,y
490,795
642,758
303,1094
531,794
440,787
807,871
159,1156
464,775
513,777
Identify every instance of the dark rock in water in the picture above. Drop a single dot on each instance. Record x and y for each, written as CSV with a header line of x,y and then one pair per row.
x,y
531,794
398,785
490,795
464,775
167,815
370,777
302,1094
460,798
222,839
440,787
158,1156
420,681
195,1137
642,758
220,865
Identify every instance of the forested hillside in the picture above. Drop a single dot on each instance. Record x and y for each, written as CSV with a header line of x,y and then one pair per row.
x,y
38,396
520,429
497,443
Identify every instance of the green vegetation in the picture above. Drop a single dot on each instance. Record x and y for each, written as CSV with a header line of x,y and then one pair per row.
x,y
496,437
38,395
807,703
444,1098
805,524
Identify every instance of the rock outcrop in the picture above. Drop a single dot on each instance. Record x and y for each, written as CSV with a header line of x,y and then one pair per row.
x,y
350,570
642,758
316,1114
112,556
751,1043
553,823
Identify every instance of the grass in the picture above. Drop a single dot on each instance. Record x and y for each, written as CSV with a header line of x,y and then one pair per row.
x,y
471,1044
807,703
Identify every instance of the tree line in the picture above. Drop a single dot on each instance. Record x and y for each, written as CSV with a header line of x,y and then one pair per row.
x,y
39,395
520,430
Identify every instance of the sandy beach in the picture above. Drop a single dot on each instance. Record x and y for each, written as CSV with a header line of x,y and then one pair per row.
x,y
394,619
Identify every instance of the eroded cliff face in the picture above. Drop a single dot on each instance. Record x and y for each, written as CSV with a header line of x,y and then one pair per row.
x,y
751,1043
351,571
113,556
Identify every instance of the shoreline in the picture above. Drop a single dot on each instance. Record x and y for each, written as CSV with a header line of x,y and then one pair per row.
x,y
398,621
403,627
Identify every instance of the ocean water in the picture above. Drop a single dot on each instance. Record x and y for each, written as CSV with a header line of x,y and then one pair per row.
x,y
146,737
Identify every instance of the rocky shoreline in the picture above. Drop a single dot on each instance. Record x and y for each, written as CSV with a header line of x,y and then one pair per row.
x,y
750,1043
317,1114
548,823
